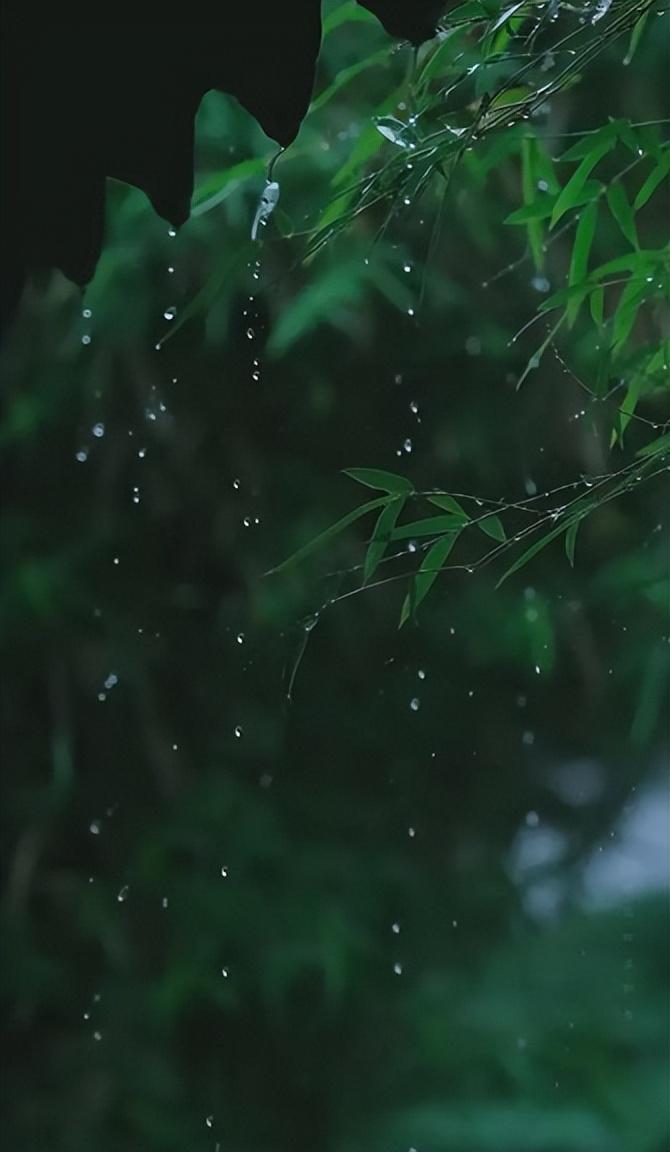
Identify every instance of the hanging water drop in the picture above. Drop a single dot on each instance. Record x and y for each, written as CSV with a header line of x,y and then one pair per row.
x,y
170,313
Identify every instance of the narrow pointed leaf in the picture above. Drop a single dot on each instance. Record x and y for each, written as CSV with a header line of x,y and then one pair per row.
x,y
377,478
431,526
655,177
570,541
568,197
381,536
580,257
430,569
449,504
536,547
492,526
323,537
622,212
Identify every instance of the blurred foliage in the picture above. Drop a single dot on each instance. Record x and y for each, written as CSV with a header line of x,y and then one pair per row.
x,y
278,875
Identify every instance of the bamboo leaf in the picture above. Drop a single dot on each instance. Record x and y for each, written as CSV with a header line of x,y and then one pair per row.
x,y
381,536
449,504
655,177
571,540
377,478
324,537
427,575
536,547
492,526
431,526
580,257
622,212
568,197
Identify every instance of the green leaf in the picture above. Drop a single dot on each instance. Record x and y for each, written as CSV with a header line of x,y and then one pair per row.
x,y
220,186
635,37
657,446
570,541
345,75
580,257
625,316
535,231
568,197
586,143
431,566
350,12
381,536
540,209
492,526
597,305
536,358
655,177
536,547
449,504
323,537
633,262
627,408
377,478
622,212
431,526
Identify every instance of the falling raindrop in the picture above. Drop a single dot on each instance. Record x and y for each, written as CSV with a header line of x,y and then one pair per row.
x,y
98,430
224,871
94,827
236,485
415,704
240,637
397,968
170,313
86,339
250,333
224,973
407,445
238,731
209,1121
395,928
82,455
532,819
123,894
421,674
111,680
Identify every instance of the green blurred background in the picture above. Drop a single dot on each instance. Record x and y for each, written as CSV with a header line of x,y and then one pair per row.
x,y
423,904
